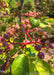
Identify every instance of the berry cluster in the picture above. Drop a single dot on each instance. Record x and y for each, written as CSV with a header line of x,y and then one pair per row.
x,y
26,23
32,14
40,54
15,31
5,44
50,45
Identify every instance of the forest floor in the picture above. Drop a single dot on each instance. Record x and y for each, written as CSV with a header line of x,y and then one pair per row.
x,y
49,55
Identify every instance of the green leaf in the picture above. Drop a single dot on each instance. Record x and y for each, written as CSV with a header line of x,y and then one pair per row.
x,y
30,51
11,40
4,20
34,22
6,2
7,10
52,0
2,28
40,67
32,67
1,62
51,20
20,65
16,48
30,2
13,4
46,27
3,57
42,25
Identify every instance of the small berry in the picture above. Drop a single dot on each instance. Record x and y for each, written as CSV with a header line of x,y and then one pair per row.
x,y
2,39
26,21
38,47
51,45
12,29
48,42
16,26
45,34
24,25
13,26
28,25
36,29
6,36
10,32
5,44
17,30
10,46
22,22
41,55
7,28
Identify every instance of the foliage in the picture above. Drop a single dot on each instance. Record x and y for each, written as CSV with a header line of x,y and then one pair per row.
x,y
21,65
46,7
20,27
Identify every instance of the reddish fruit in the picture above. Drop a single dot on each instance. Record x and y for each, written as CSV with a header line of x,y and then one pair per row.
x,y
36,29
26,21
24,25
45,34
13,26
10,46
22,22
30,15
30,12
51,45
16,26
29,25
7,28
10,32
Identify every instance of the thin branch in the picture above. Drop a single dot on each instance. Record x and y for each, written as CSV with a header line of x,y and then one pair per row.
x,y
29,37
18,43
25,38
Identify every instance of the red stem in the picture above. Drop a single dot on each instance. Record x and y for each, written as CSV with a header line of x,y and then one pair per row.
x,y
30,42
38,38
29,37
25,38
24,43
29,30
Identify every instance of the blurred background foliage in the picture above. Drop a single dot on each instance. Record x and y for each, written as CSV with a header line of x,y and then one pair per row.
x,y
45,6
10,10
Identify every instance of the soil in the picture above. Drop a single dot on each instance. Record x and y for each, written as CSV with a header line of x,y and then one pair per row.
x,y
49,55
